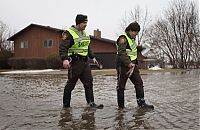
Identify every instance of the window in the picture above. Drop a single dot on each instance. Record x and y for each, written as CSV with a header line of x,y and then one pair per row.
x,y
24,44
48,43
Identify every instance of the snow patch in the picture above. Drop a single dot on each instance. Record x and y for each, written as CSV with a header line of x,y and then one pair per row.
x,y
27,71
155,68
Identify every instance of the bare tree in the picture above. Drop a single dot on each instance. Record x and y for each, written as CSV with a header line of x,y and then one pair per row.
x,y
139,16
176,36
4,35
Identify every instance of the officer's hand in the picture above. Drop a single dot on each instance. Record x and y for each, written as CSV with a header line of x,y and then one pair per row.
x,y
95,61
66,64
131,65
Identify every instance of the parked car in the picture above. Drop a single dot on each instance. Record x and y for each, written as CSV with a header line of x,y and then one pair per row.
x,y
95,65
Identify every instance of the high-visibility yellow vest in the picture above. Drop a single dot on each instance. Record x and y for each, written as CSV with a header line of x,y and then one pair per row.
x,y
132,51
81,43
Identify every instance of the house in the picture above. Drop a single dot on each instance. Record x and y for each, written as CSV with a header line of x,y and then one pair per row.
x,y
38,41
104,49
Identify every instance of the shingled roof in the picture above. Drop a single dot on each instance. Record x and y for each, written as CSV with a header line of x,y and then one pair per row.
x,y
32,25
53,29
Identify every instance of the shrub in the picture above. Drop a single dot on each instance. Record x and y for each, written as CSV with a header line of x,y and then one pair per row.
x,y
17,63
27,63
4,56
35,63
53,61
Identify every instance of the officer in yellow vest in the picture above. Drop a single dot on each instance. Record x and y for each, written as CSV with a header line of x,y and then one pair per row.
x,y
74,51
127,66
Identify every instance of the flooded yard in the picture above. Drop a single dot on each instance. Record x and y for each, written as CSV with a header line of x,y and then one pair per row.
x,y
34,101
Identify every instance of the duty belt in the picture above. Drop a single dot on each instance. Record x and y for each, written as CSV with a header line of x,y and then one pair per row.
x,y
79,58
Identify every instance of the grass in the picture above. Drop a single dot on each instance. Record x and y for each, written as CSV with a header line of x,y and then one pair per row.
x,y
4,70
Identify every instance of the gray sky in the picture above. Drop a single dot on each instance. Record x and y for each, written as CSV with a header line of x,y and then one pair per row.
x,y
106,15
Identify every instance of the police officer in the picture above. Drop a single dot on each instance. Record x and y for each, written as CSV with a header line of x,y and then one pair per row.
x,y
127,66
74,51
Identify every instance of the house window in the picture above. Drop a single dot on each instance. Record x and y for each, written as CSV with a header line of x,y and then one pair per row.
x,y
24,44
48,43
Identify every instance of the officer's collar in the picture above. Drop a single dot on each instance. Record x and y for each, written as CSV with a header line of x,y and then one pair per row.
x,y
74,28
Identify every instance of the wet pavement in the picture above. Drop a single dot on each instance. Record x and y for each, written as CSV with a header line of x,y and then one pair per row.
x,y
34,102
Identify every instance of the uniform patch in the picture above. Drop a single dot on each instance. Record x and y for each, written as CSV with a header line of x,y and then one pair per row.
x,y
122,40
64,35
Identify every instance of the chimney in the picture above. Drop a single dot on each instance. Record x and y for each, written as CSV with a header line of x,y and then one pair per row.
x,y
97,33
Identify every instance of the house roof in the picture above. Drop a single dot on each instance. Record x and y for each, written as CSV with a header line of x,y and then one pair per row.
x,y
103,39
54,29
32,25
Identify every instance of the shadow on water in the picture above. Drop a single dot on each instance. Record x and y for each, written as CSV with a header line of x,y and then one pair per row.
x,y
34,101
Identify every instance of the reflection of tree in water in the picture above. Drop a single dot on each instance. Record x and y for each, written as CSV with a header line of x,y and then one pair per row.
x,y
138,119
69,122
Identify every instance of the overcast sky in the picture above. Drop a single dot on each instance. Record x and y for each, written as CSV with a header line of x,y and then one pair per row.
x,y
106,15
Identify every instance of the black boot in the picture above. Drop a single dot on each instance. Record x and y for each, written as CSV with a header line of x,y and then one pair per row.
x,y
120,98
89,95
66,97
140,98
90,99
94,105
141,103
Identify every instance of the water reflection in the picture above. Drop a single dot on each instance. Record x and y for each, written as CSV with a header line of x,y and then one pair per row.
x,y
85,121
121,124
66,119
134,118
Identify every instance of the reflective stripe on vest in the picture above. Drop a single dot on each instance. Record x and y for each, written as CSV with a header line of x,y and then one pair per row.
x,y
132,53
81,43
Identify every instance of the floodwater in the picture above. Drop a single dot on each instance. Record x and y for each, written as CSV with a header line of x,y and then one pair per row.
x,y
34,102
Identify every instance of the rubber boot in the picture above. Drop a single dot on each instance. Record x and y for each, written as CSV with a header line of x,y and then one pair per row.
x,y
120,98
141,103
66,98
140,98
90,99
89,95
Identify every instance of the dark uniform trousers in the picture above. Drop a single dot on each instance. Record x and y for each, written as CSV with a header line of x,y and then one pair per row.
x,y
122,78
79,69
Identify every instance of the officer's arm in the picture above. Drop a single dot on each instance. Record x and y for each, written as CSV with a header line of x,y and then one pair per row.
x,y
122,45
65,44
92,56
90,53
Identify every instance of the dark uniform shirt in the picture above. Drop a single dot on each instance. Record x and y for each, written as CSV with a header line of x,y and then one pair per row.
x,y
66,43
122,57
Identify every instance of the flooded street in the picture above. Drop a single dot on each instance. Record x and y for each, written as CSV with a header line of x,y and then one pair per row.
x,y
34,102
